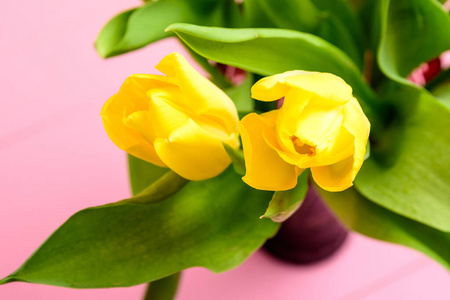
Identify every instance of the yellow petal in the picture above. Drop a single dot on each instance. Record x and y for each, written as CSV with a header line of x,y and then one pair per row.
x,y
289,114
201,95
311,122
328,88
138,147
265,169
291,157
270,137
273,87
163,116
342,148
130,98
151,81
340,176
140,121
336,177
302,121
146,152
193,153
357,124
316,125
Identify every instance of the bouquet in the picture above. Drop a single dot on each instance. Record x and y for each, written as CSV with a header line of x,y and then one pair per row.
x,y
302,96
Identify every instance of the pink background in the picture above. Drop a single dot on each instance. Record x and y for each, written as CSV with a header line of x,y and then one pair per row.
x,y
56,159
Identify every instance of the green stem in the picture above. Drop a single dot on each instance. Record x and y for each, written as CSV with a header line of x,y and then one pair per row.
x,y
166,186
6,280
163,289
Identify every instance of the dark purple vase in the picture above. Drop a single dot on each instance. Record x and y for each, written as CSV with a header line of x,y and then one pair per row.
x,y
311,234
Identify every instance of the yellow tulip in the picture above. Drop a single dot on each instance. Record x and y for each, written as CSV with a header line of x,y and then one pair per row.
x,y
177,121
320,126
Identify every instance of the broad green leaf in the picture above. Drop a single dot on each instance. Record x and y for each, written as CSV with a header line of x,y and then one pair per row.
x,y
334,31
300,15
285,203
163,289
442,93
213,223
232,14
342,10
413,32
112,33
271,51
143,174
237,159
356,4
317,18
408,170
369,12
254,16
440,87
368,218
141,26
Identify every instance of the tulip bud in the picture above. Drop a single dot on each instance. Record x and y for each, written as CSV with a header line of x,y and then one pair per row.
x,y
177,121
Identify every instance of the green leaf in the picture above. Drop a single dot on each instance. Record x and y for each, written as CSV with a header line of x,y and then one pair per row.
x,y
408,170
369,12
206,224
368,218
167,185
141,26
143,174
440,87
241,95
347,16
271,51
442,93
6,280
285,203
112,33
335,32
318,18
412,32
298,15
253,15
237,159
356,4
163,289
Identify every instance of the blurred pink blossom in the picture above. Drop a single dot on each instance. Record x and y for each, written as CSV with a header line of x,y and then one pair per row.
x,y
428,71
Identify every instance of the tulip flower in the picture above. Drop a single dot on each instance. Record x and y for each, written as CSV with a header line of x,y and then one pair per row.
x,y
177,121
320,126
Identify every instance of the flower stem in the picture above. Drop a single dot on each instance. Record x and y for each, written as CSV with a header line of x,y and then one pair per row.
x,y
6,280
163,289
